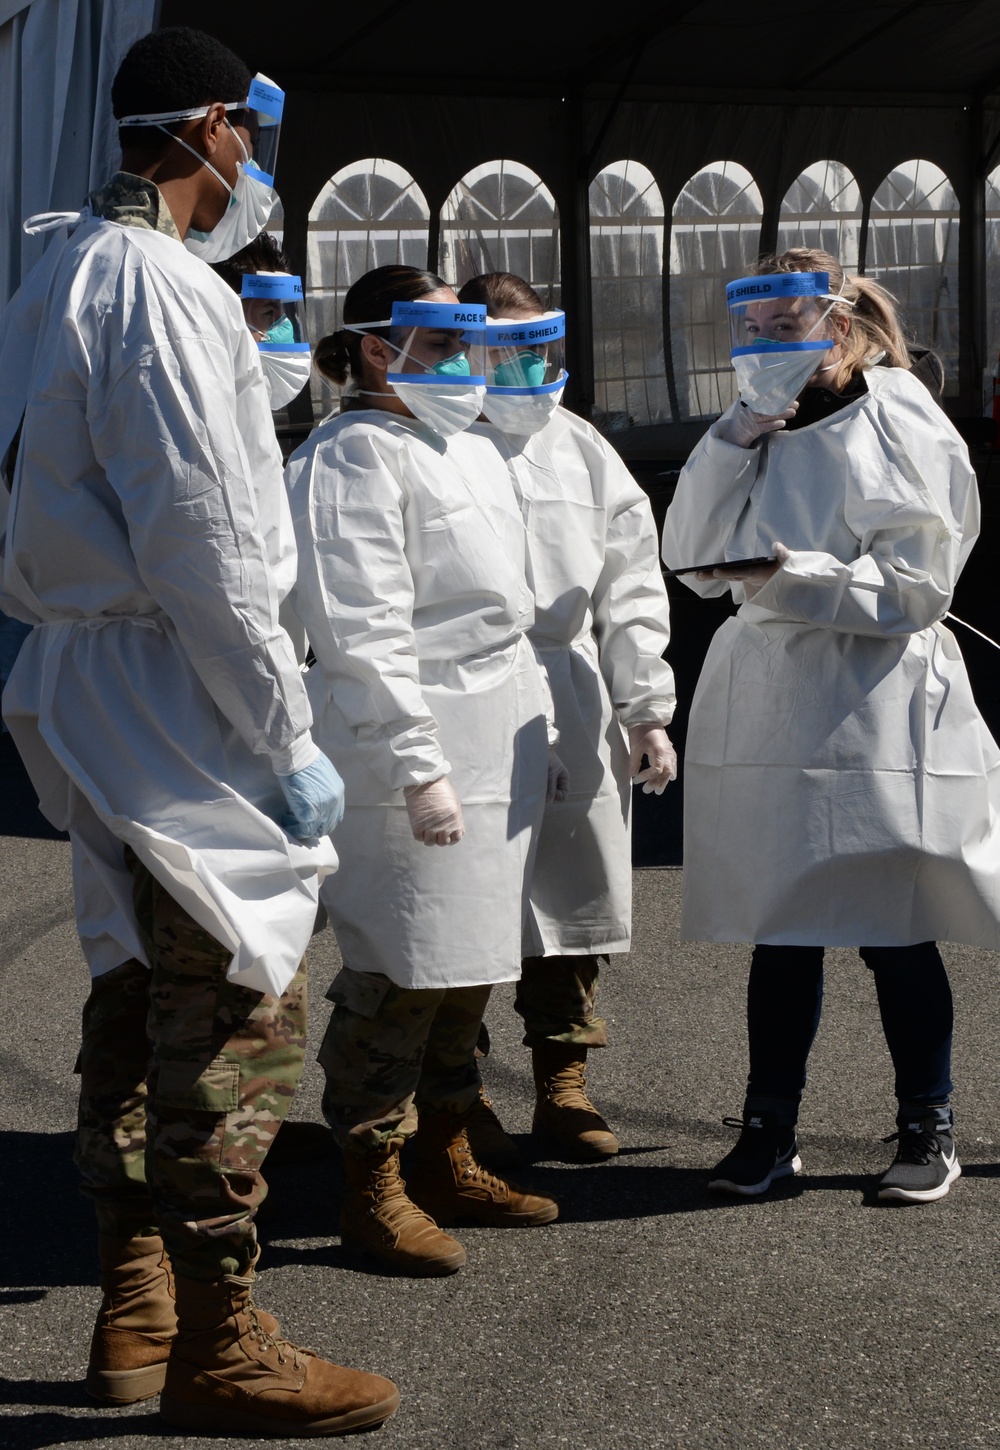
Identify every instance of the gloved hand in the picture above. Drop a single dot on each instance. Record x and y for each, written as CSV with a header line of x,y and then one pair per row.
x,y
651,740
315,799
745,428
753,580
435,812
557,785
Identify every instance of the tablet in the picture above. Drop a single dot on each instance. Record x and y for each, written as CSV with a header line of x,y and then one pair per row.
x,y
725,564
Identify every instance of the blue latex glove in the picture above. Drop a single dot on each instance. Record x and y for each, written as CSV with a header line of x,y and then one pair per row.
x,y
315,799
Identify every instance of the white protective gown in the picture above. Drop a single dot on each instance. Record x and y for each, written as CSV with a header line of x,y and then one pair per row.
x,y
147,533
840,786
601,625
413,594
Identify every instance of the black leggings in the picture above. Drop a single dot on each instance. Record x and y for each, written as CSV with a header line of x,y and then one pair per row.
x,y
785,998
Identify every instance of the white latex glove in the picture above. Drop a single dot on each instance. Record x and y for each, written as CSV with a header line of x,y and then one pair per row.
x,y
753,580
557,785
435,812
745,428
651,740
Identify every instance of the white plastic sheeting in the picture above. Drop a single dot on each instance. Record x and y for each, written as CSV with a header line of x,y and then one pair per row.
x,y
913,250
626,262
57,61
822,208
501,217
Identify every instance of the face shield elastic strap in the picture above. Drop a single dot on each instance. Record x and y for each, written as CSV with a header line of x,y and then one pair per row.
x,y
264,99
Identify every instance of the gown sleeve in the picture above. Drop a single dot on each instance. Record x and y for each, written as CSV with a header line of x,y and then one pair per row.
x,y
631,613
166,435
912,502
355,596
712,490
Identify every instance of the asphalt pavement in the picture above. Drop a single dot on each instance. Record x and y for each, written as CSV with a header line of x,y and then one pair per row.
x,y
652,1314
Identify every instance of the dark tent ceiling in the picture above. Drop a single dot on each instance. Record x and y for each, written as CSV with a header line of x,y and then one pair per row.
x,y
861,49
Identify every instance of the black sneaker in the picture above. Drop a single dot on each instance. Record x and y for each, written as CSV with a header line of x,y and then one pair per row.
x,y
926,1163
765,1152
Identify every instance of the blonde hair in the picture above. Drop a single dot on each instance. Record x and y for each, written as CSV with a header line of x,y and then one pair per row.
x,y
873,324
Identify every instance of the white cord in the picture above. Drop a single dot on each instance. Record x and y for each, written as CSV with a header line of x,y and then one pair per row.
x,y
955,620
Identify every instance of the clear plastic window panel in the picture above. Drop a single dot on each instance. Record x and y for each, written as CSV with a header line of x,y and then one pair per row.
x,y
626,263
714,237
501,217
992,250
913,252
370,214
822,209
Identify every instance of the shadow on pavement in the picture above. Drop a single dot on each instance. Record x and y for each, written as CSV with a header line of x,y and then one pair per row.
x,y
49,1237
43,1428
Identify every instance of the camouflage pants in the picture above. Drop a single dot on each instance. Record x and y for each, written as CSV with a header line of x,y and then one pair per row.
x,y
389,1050
556,997
185,1079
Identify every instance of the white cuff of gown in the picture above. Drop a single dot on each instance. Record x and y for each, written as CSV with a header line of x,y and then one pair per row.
x,y
297,756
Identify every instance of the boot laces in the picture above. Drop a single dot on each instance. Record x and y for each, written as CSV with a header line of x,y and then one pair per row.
x,y
473,1171
390,1201
266,1340
567,1086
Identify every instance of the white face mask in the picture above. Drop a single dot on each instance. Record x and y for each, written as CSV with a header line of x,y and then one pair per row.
x,y
448,408
251,202
286,374
769,382
521,414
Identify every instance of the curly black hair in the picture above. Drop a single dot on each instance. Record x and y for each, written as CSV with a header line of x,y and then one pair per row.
x,y
175,69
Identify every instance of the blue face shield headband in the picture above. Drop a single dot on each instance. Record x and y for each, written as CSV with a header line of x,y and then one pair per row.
x,y
526,357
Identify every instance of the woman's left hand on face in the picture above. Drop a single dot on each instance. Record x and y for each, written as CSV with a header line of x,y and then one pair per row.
x,y
753,580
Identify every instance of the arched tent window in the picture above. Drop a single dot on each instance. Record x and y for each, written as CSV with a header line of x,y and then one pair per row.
x,y
913,251
822,208
626,263
370,214
501,217
714,237
992,211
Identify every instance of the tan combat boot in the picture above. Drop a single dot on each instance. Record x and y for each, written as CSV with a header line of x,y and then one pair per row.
x,y
231,1373
449,1183
136,1321
378,1217
563,1112
489,1142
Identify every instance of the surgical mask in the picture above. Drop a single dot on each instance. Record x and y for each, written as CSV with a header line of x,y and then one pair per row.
x,y
253,198
519,413
525,376
286,374
447,395
772,370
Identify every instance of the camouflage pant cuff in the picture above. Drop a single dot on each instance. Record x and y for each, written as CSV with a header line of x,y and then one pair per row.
x,y
577,1034
208,1257
367,1138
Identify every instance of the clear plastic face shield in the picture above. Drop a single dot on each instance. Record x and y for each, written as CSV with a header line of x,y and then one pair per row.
x,y
525,371
271,306
252,199
780,335
439,363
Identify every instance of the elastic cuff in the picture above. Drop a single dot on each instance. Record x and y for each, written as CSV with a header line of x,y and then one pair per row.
x,y
297,756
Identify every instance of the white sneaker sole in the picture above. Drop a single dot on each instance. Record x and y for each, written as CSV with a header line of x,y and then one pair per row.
x,y
753,1190
922,1195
